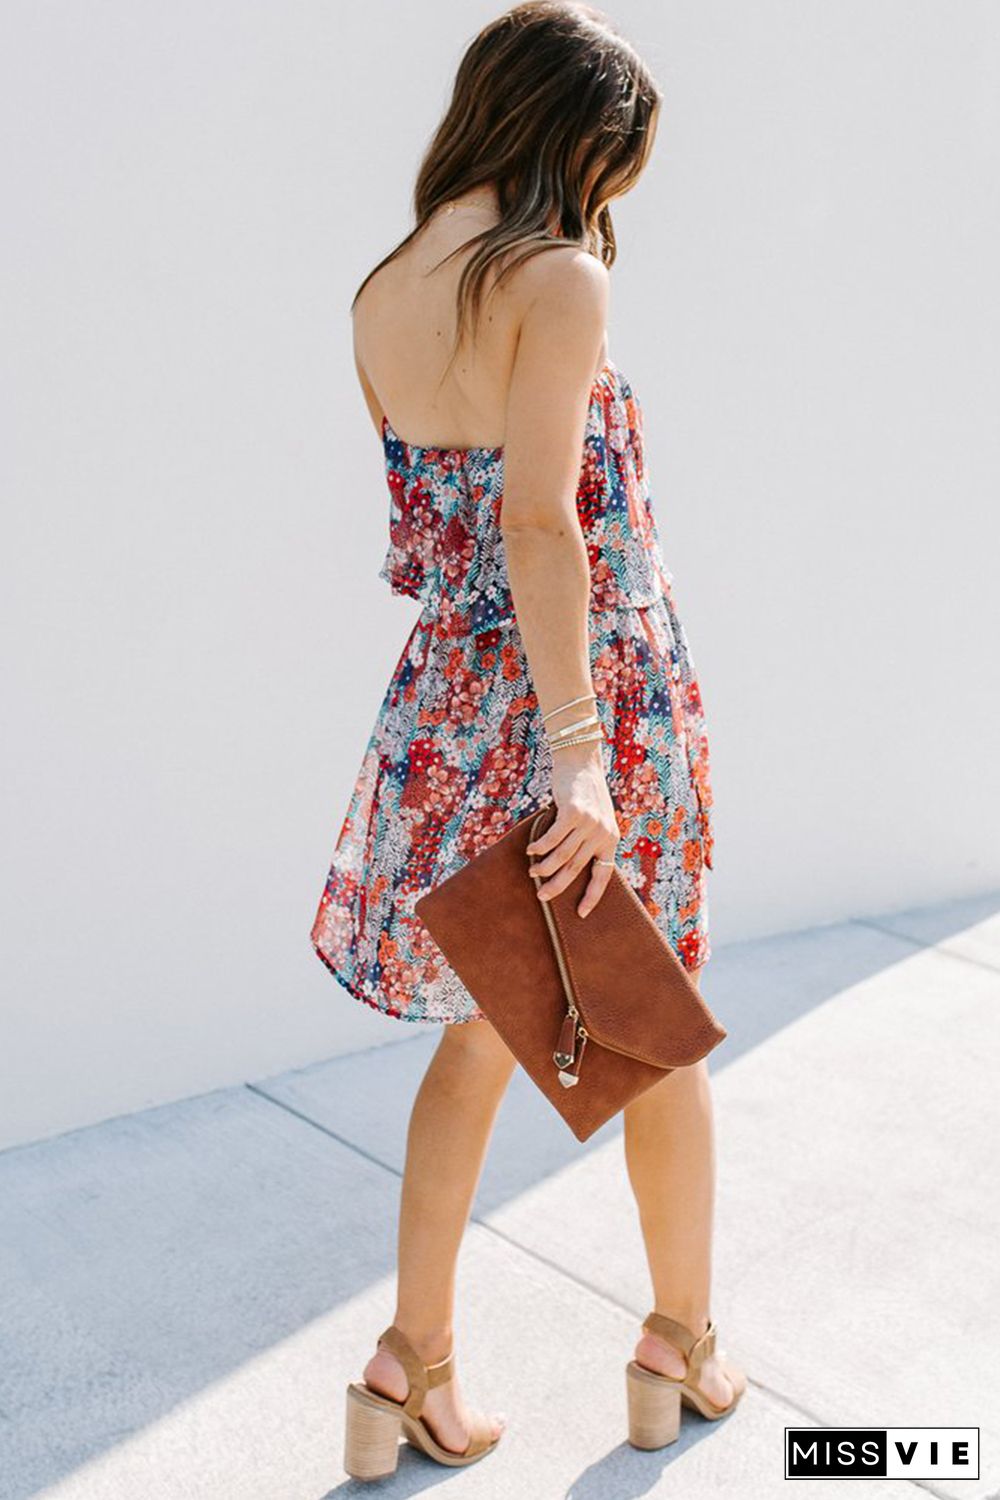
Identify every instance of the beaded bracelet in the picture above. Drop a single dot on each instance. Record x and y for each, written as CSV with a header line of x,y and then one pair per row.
x,y
578,739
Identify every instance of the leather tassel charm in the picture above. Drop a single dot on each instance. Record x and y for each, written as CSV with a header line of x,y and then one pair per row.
x,y
566,1045
570,1075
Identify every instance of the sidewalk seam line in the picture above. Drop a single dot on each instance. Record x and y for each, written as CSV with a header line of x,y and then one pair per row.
x,y
298,1114
500,1234
474,1218
925,947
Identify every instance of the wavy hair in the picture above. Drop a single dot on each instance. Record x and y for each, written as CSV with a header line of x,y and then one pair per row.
x,y
553,108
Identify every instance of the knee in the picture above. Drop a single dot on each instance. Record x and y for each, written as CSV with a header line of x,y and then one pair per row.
x,y
472,1055
683,1093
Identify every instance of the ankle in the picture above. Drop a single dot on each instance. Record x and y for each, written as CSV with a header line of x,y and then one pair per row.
x,y
691,1315
432,1342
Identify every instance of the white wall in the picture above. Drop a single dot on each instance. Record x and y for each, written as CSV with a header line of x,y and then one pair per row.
x,y
195,512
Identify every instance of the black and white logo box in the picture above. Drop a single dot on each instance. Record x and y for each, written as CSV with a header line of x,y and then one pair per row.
x,y
881,1452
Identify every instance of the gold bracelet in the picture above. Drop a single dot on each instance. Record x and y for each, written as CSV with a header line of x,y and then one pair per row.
x,y
579,739
562,734
571,704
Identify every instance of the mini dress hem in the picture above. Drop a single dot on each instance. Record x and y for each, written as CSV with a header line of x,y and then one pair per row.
x,y
457,753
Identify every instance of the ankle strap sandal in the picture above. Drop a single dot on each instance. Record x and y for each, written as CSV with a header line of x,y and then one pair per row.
x,y
654,1400
375,1422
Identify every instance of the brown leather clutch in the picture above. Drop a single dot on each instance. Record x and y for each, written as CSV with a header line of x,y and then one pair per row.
x,y
596,1009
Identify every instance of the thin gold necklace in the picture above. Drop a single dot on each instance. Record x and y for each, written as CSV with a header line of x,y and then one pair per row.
x,y
453,203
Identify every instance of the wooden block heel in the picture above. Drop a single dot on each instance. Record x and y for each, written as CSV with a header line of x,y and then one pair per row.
x,y
371,1440
376,1422
654,1408
654,1400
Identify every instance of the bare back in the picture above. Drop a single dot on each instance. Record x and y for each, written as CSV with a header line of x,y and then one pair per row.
x,y
404,329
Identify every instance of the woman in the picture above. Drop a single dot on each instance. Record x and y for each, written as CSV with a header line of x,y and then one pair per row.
x,y
481,350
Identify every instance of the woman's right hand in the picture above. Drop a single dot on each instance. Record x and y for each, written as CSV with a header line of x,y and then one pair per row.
x,y
585,827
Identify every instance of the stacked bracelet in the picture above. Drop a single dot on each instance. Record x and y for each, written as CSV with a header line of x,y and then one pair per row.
x,y
571,704
564,734
585,731
579,739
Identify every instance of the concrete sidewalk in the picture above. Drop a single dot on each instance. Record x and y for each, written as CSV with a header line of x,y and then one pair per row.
x,y
184,1293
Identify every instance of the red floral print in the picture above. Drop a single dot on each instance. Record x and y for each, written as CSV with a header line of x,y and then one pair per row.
x,y
458,752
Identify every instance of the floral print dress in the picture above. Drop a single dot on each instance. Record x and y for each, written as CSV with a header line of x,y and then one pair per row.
x,y
458,752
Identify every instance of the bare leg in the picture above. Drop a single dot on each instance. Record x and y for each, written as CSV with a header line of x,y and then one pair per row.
x,y
670,1155
450,1128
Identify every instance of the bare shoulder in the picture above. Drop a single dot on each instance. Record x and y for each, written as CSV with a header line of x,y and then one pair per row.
x,y
559,343
562,284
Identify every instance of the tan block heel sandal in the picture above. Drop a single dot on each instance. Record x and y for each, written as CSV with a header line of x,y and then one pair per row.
x,y
654,1400
375,1422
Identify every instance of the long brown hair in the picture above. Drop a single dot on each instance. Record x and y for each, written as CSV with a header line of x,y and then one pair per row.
x,y
553,108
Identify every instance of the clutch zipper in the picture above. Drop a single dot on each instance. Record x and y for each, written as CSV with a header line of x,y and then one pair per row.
x,y
567,1057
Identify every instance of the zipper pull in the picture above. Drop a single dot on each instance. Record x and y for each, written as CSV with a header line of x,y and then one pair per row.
x,y
570,1075
566,1045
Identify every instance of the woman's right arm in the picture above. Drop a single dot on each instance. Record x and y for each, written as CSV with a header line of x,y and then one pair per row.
x,y
561,338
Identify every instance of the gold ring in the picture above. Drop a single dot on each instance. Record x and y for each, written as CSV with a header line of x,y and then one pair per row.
x,y
605,862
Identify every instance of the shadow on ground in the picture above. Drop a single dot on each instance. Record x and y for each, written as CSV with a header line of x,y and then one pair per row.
x,y
145,1260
